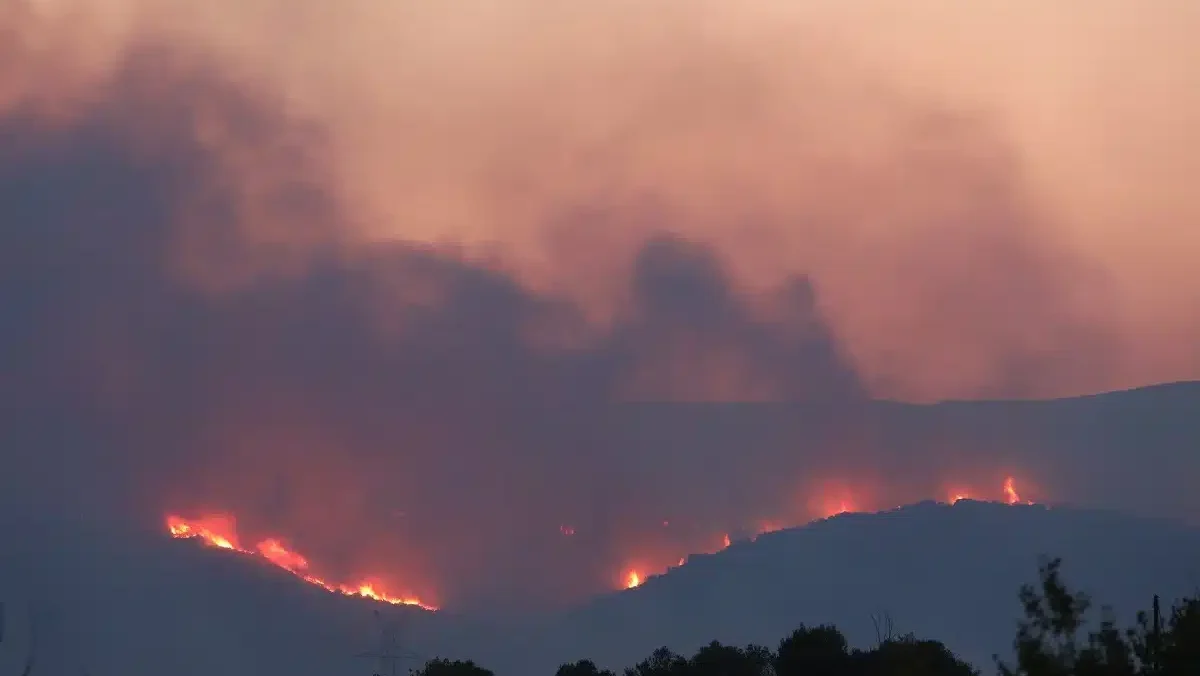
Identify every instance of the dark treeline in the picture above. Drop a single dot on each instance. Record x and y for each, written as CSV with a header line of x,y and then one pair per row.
x,y
1057,637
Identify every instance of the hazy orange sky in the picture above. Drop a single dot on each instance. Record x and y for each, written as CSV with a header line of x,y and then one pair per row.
x,y
959,179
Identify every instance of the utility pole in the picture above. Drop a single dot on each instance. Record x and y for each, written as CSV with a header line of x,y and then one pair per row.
x,y
1156,634
390,653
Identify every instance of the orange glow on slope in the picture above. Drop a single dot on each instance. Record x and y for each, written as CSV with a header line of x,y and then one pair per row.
x,y
768,527
218,531
829,507
274,551
827,504
830,498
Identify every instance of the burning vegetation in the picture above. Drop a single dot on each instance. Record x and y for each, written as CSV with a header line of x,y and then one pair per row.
x,y
219,531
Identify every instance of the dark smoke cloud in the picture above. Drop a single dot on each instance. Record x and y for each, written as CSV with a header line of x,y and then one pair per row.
x,y
186,326
394,389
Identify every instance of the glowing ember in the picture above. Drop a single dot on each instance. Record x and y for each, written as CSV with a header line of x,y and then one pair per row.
x,y
632,579
219,531
955,497
725,542
566,530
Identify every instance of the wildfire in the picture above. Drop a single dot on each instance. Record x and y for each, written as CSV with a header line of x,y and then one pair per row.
x,y
1010,493
633,579
218,531
274,551
831,509
840,501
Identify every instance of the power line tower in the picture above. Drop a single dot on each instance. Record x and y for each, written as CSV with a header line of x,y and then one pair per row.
x,y
390,653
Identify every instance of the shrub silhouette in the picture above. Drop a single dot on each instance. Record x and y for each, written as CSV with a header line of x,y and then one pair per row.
x,y
1050,640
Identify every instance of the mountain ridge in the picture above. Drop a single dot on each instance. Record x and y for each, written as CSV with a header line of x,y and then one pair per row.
x,y
131,601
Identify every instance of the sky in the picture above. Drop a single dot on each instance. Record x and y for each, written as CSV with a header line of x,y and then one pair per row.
x,y
377,272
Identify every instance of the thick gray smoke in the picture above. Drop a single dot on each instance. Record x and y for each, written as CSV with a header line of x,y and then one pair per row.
x,y
191,321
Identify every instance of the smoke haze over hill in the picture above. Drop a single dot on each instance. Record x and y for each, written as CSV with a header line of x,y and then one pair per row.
x,y
376,279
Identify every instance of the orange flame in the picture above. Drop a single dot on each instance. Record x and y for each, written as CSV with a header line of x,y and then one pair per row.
x,y
831,509
274,551
218,531
829,503
1010,493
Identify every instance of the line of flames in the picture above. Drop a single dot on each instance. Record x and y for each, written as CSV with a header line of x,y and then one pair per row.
x,y
634,577
274,551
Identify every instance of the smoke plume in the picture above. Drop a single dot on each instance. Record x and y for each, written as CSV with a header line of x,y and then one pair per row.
x,y
389,278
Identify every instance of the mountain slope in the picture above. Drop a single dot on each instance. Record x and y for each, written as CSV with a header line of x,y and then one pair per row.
x,y
947,572
134,605
121,602
129,602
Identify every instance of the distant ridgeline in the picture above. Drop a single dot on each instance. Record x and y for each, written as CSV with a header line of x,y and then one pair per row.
x,y
1060,636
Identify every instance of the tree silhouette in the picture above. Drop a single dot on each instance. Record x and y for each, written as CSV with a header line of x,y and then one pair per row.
x,y
910,656
582,668
1170,648
1179,651
715,659
813,651
662,662
1048,641
443,667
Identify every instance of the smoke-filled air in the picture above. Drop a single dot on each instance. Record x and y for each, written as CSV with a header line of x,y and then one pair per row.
x,y
400,295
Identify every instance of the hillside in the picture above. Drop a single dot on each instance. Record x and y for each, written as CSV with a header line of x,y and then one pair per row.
x,y
122,601
948,572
